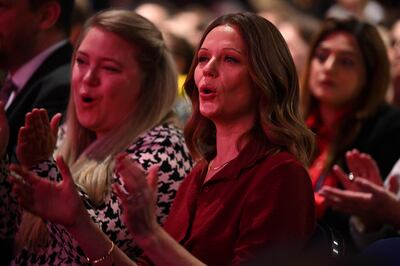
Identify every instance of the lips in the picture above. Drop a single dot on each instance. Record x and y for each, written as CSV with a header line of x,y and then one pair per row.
x,y
86,100
207,91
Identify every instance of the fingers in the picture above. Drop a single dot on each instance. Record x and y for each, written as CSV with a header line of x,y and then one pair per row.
x,y
393,184
368,186
354,162
64,170
26,175
342,177
55,121
152,177
352,202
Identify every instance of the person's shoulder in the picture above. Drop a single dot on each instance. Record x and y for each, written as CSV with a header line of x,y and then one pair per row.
x,y
282,159
163,132
159,137
387,113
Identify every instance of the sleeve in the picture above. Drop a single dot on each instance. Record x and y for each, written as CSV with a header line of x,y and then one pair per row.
x,y
163,146
279,210
10,213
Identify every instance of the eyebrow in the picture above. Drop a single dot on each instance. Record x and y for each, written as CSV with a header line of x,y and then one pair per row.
x,y
101,58
227,48
343,52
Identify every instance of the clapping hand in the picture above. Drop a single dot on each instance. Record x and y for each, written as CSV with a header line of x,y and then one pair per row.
x,y
56,202
364,194
37,138
139,201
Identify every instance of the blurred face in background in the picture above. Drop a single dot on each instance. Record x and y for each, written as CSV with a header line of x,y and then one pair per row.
x,y
394,50
337,72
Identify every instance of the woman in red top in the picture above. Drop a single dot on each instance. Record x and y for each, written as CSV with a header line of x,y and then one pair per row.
x,y
343,100
249,190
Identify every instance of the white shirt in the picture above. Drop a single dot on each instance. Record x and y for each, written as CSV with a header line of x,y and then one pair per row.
x,y
25,72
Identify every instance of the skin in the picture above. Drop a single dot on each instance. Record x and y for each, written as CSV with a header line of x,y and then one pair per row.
x,y
226,95
365,197
394,50
25,32
105,81
229,106
337,73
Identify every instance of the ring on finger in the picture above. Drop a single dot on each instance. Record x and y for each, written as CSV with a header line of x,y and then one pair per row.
x,y
351,177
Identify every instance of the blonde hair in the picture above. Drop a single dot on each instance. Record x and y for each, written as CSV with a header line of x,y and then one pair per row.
x,y
91,159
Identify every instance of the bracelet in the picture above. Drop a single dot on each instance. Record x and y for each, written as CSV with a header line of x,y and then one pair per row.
x,y
103,257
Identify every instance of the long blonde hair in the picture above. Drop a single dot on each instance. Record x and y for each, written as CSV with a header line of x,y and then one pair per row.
x,y
91,159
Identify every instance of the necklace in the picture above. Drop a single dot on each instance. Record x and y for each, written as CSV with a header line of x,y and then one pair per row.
x,y
216,168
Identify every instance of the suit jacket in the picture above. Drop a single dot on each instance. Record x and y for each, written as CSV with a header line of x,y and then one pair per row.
x,y
48,88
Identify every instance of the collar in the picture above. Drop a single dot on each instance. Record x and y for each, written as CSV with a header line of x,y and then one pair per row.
x,y
252,153
25,72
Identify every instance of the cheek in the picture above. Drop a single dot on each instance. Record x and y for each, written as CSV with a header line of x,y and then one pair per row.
x,y
197,75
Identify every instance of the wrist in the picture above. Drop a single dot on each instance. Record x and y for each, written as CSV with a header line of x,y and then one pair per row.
x,y
151,238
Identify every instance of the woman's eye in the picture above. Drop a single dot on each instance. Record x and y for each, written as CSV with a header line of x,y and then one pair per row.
x,y
231,59
321,56
79,61
346,61
111,69
202,59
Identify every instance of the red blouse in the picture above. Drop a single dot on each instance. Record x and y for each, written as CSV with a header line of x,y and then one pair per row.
x,y
254,202
319,176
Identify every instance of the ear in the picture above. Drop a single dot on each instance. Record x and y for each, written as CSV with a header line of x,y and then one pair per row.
x,y
49,14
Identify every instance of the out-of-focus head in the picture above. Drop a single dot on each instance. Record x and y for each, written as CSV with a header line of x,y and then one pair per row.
x,y
394,50
265,73
154,12
26,26
347,67
121,70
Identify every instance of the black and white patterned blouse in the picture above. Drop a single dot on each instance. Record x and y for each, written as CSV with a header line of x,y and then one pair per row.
x,y
163,145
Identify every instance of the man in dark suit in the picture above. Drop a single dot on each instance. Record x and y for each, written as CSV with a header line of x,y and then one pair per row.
x,y
35,54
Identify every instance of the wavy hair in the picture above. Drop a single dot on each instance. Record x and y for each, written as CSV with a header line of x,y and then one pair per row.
x,y
274,79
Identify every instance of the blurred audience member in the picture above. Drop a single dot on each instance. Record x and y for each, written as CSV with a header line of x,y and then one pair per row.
x,y
364,10
343,98
394,56
35,56
81,12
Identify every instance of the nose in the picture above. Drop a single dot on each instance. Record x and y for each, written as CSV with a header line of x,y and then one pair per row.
x,y
91,77
329,63
210,69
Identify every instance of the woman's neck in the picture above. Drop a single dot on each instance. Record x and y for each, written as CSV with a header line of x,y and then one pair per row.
x,y
330,115
227,140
